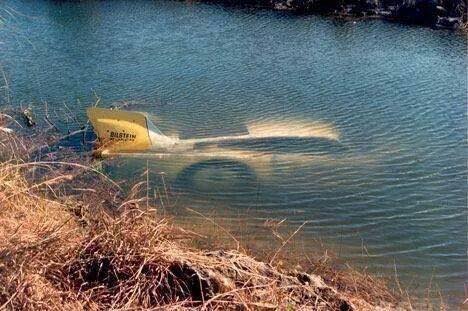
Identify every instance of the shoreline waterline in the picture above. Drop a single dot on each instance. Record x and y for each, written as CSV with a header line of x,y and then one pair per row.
x,y
60,227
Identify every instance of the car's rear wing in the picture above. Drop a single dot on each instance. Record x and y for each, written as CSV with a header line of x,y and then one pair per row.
x,y
126,131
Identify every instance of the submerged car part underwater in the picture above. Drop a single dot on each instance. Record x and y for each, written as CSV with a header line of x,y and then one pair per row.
x,y
130,133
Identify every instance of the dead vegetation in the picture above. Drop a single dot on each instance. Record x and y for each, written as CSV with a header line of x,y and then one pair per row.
x,y
70,239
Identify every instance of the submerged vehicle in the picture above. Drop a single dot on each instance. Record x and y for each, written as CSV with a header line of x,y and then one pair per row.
x,y
130,131
133,134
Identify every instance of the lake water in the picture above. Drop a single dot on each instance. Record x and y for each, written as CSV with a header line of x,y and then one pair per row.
x,y
386,167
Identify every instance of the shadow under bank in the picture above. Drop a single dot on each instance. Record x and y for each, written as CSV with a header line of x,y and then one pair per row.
x,y
449,14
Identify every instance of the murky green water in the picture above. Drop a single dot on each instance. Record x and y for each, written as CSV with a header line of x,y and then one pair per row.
x,y
392,175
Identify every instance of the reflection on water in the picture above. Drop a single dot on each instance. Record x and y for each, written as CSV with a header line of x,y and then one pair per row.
x,y
386,166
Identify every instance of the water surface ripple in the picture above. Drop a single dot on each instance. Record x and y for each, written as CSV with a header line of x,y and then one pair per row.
x,y
392,177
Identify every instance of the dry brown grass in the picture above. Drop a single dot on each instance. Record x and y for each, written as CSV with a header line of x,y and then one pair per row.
x,y
70,239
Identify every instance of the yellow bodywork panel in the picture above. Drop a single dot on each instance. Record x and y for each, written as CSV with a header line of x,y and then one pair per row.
x,y
120,131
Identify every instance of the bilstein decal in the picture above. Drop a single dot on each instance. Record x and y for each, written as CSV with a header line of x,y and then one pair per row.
x,y
122,136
